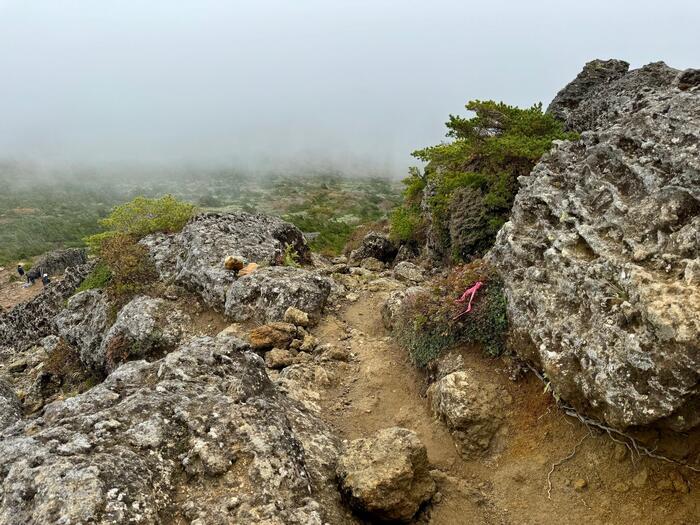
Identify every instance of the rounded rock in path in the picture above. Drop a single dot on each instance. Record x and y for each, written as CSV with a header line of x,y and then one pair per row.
x,y
386,476
271,335
234,263
472,409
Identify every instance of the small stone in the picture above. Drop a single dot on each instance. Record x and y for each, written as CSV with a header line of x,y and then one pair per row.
x,y
640,478
372,264
336,354
247,269
620,452
308,344
580,484
278,358
234,263
272,335
296,317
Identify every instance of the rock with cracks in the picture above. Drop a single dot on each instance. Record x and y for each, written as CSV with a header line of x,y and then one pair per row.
x,y
600,258
386,476
377,246
265,296
10,407
195,257
144,328
201,436
472,409
83,323
29,322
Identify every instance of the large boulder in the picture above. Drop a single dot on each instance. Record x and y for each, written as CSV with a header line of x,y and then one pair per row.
x,y
600,258
386,476
472,409
58,261
201,436
201,248
265,295
10,407
145,328
29,322
377,246
83,323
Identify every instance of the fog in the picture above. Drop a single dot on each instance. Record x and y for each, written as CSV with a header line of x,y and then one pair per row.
x,y
354,85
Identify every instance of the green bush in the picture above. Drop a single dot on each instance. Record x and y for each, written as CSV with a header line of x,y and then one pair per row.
x,y
427,325
130,266
98,278
141,217
405,223
487,155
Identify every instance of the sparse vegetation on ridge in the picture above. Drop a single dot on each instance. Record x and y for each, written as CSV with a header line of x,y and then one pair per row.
x,y
472,180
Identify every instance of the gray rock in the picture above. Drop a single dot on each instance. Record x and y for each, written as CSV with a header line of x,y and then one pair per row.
x,y
176,440
472,409
596,257
10,407
209,238
58,261
377,246
265,295
83,323
386,476
595,74
29,322
144,328
195,257
372,264
391,307
407,271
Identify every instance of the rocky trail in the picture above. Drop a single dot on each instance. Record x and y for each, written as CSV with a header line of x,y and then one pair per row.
x,y
600,483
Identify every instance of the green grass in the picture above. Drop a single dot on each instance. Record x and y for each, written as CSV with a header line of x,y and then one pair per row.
x,y
61,214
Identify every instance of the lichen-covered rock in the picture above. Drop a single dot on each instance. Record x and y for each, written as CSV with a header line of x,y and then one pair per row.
x,y
594,74
394,302
58,261
296,317
10,407
271,335
377,246
386,476
209,238
199,436
145,327
603,241
83,323
265,295
472,409
196,257
29,322
407,271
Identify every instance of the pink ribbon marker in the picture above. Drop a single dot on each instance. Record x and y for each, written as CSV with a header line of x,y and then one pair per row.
x,y
470,293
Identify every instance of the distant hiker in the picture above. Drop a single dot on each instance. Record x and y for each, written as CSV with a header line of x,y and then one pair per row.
x,y
45,279
20,270
32,276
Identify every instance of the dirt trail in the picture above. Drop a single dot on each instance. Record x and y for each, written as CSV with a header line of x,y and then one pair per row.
x,y
12,290
381,388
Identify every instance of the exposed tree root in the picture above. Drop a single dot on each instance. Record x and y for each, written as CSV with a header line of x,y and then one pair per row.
x,y
562,461
635,448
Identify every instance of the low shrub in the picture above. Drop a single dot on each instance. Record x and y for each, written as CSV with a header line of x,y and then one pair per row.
x,y
141,217
100,277
430,322
129,264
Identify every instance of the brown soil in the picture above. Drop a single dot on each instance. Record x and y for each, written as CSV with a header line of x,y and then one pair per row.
x,y
381,389
12,290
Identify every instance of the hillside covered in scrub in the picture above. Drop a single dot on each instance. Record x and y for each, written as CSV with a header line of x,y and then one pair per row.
x,y
514,339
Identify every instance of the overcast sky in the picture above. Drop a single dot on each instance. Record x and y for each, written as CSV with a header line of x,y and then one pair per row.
x,y
260,82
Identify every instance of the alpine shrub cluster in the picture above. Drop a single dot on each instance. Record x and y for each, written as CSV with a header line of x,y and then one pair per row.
x,y
466,190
